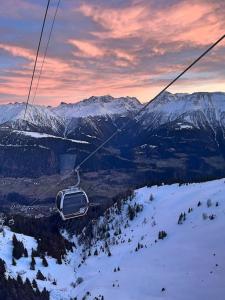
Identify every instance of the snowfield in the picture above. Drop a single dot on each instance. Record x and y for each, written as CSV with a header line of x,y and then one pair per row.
x,y
126,259
45,135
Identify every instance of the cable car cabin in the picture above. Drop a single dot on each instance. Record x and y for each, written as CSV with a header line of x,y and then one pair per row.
x,y
72,203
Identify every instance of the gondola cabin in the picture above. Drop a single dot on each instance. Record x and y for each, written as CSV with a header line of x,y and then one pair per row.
x,y
72,203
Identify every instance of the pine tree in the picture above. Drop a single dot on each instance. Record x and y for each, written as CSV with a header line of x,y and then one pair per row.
x,y
19,279
2,267
131,212
96,252
34,284
25,252
44,262
40,276
18,248
32,264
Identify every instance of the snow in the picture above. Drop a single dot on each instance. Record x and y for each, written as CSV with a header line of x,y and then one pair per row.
x,y
191,108
197,108
36,114
53,271
184,126
181,263
98,106
44,135
189,263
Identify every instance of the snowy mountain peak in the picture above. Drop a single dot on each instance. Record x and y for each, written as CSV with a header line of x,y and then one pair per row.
x,y
199,109
36,115
98,106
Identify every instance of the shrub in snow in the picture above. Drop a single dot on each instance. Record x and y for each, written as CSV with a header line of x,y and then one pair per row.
x,y
162,234
204,216
180,219
13,261
151,198
209,202
79,280
212,217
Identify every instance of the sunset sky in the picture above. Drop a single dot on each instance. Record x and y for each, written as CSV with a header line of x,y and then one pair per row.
x,y
117,47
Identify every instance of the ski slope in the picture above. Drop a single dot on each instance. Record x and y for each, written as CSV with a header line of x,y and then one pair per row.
x,y
189,263
184,263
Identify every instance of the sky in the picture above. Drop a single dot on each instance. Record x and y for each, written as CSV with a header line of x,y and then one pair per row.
x,y
116,47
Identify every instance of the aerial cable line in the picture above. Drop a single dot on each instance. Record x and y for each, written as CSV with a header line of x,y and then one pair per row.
x,y
35,63
46,50
118,130
148,103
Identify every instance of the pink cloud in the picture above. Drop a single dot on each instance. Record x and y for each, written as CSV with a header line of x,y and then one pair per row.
x,y
127,53
87,48
184,22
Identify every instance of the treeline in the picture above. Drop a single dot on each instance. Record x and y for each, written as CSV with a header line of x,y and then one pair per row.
x,y
197,178
14,289
47,233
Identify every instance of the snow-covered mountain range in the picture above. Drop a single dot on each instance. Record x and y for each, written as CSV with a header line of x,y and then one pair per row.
x,y
188,129
197,109
98,106
160,243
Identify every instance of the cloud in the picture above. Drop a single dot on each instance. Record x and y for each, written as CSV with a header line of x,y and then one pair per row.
x,y
87,48
130,47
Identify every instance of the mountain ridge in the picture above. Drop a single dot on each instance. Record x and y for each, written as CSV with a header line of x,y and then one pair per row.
x,y
199,109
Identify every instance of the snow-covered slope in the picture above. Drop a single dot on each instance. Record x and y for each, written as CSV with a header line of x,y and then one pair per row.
x,y
197,109
37,115
38,135
125,259
189,263
98,106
